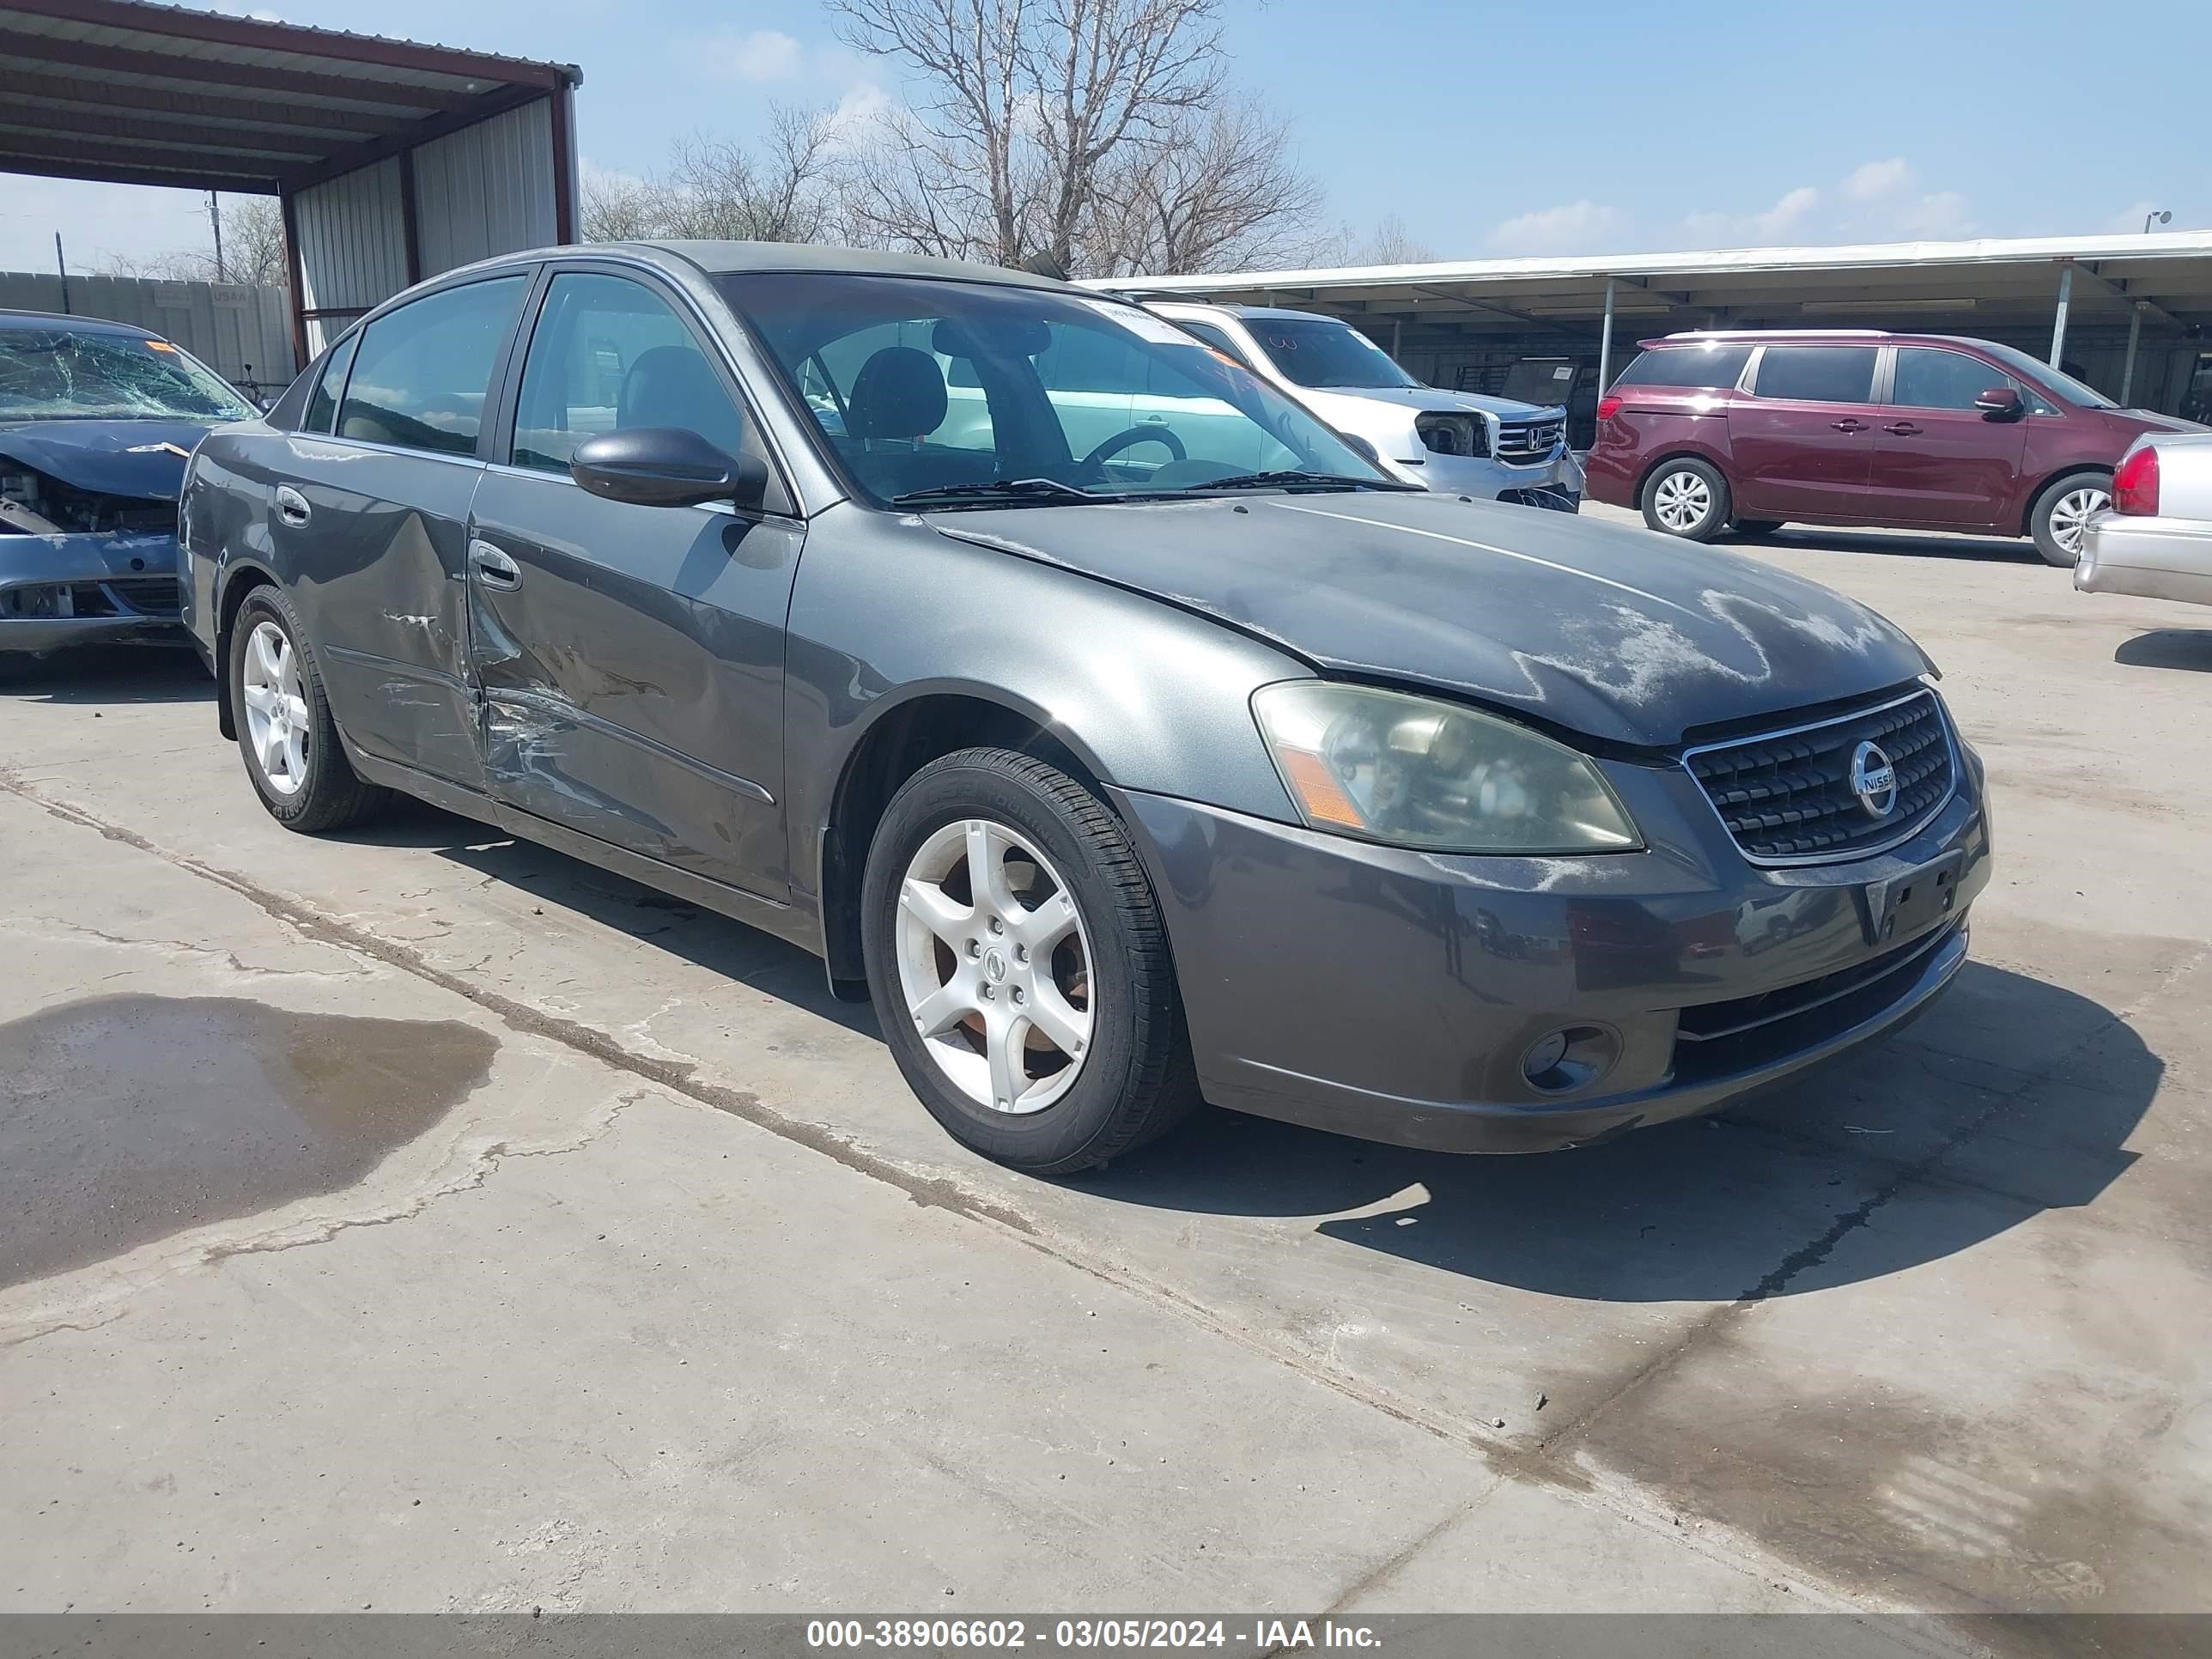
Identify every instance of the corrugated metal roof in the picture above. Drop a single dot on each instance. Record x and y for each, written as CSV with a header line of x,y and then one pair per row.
x,y
146,94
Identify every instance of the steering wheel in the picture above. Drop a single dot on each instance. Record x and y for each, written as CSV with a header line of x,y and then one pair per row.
x,y
1129,438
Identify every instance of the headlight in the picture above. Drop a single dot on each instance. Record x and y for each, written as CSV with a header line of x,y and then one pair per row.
x,y
1410,772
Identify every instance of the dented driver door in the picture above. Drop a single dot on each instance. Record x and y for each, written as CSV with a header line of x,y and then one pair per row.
x,y
631,659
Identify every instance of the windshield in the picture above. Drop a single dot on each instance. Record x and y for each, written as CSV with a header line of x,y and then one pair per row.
x,y
924,387
69,374
1320,351
2037,372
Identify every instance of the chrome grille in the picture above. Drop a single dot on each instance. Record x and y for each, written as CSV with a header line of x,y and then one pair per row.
x,y
1788,797
1526,442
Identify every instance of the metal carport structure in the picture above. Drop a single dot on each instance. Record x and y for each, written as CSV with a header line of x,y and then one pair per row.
x,y
2129,311
394,161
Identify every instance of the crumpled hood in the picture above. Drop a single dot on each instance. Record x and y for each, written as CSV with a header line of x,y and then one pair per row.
x,y
109,458
1619,634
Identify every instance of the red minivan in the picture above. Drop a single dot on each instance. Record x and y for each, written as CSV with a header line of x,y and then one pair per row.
x,y
1854,427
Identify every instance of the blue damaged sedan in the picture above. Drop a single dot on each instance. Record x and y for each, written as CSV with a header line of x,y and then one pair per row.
x,y
1123,754
97,420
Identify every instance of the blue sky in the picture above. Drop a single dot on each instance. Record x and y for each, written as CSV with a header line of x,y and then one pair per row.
x,y
1488,128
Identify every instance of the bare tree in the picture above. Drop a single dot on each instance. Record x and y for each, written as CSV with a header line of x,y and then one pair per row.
x,y
1066,127
252,250
1390,243
717,189
1220,193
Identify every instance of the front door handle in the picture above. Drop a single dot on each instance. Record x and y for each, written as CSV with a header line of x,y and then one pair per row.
x,y
292,506
1849,425
492,568
1901,428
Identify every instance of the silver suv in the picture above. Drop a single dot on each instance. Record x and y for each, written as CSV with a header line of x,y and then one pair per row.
x,y
1456,442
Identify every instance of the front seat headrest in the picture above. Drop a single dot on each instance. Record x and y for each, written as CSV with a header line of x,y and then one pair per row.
x,y
900,393
674,385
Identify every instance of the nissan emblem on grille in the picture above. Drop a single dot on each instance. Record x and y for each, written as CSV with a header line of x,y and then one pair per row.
x,y
1874,780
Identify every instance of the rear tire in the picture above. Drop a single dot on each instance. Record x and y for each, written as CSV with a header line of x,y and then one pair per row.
x,y
1686,498
2056,521
285,733
1756,527
947,966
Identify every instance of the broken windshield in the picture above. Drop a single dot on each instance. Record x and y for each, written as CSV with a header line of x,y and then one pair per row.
x,y
69,374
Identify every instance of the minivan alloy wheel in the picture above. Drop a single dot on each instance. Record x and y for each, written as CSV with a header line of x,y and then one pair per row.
x,y
994,964
278,719
1683,501
2070,514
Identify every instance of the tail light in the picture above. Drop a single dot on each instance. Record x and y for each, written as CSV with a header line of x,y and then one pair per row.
x,y
1608,407
2134,486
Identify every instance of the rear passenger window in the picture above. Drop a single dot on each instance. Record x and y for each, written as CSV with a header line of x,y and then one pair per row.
x,y
1707,366
323,404
1929,378
421,372
1818,374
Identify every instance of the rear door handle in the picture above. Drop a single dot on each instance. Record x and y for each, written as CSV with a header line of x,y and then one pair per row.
x,y
1848,425
492,568
292,506
1901,428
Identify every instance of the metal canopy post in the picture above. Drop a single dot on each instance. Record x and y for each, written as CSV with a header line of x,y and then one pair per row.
x,y
1605,341
2128,370
2058,327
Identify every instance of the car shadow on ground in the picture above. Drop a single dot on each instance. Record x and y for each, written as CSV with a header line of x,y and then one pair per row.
x,y
2168,647
1702,1210
1895,543
108,674
728,949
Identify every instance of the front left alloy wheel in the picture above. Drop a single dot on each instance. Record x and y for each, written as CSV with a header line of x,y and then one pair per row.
x,y
2062,513
1020,967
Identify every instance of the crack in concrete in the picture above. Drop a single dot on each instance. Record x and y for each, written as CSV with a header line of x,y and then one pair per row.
x,y
1814,1251
177,946
484,1162
1541,1464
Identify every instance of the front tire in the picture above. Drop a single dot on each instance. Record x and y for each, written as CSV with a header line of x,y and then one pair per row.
x,y
2062,511
1019,966
285,731
1686,498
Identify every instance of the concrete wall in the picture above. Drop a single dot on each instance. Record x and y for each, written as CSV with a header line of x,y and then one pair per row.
x,y
243,333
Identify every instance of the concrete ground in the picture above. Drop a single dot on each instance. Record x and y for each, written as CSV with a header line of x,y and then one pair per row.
x,y
417,1220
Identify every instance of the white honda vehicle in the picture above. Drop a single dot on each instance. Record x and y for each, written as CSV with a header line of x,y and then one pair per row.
x,y
1458,443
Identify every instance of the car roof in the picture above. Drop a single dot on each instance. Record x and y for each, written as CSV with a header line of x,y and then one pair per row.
x,y
1803,337
46,320
729,258
1170,305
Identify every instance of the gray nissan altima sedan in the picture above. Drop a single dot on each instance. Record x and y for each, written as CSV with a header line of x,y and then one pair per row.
x,y
1115,726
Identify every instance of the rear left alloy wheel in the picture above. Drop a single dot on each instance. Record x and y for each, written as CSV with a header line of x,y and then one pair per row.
x,y
1688,499
1020,967
284,727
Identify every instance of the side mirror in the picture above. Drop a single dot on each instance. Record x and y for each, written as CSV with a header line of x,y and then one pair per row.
x,y
665,466
1999,402
1367,451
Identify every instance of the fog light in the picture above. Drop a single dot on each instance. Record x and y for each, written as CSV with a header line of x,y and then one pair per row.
x,y
1571,1058
1547,1053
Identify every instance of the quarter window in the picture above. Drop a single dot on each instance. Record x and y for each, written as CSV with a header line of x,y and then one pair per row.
x,y
1695,365
324,403
1818,374
1929,378
421,372
609,354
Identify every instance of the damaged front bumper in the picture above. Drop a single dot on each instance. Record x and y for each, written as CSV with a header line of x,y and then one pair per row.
x,y
93,588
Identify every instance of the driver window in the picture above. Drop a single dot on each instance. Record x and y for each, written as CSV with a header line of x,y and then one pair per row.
x,y
608,353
